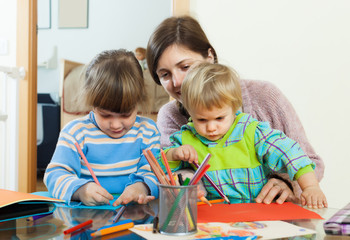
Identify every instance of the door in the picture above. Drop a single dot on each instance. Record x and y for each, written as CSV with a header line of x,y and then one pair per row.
x,y
26,50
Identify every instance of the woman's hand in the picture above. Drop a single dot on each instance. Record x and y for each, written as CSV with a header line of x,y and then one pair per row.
x,y
137,192
273,188
92,194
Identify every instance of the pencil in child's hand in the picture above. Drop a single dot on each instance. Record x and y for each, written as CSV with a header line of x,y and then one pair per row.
x,y
87,163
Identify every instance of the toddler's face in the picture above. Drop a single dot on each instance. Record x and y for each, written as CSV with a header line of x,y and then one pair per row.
x,y
212,124
114,124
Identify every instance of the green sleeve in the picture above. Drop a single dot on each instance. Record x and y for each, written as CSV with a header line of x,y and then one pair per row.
x,y
302,171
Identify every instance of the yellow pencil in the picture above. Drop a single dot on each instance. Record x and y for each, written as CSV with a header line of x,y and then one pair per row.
x,y
105,231
204,200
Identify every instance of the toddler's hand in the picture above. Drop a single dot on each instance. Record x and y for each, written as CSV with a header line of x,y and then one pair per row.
x,y
313,197
92,194
137,192
185,153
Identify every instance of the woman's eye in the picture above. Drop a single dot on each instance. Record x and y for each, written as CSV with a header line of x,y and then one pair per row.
x,y
163,75
186,67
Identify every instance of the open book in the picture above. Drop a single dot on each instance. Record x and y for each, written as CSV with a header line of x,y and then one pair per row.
x,y
17,205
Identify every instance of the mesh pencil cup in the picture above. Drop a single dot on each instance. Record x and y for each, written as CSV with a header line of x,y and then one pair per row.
x,y
177,209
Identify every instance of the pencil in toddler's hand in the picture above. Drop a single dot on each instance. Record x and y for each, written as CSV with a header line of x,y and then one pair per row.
x,y
87,163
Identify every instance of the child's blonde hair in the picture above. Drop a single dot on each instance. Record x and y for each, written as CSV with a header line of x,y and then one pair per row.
x,y
210,85
114,82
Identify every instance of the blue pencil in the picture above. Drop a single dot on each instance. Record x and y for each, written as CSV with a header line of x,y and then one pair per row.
x,y
119,214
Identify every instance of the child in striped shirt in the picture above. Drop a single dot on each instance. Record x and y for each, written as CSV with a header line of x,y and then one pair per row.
x,y
112,137
243,151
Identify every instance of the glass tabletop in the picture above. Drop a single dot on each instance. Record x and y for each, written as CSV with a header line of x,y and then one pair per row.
x,y
63,218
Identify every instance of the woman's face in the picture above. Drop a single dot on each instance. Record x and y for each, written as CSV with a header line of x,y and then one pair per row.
x,y
173,66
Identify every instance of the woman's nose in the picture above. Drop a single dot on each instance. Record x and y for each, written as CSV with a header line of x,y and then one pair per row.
x,y
177,80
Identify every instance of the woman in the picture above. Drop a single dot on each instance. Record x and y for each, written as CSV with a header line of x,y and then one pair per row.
x,y
177,44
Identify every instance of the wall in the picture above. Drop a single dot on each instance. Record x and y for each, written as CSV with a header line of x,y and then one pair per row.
x,y
304,48
8,21
112,24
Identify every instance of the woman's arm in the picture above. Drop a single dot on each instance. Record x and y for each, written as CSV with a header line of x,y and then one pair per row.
x,y
265,102
169,121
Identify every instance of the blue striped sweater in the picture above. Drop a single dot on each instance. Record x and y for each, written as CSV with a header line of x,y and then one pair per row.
x,y
116,163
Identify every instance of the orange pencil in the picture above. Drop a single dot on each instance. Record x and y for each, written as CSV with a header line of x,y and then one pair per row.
x,y
211,201
167,168
154,160
126,224
156,170
87,164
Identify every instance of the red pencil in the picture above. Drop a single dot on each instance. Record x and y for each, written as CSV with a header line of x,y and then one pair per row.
x,y
87,164
196,179
77,227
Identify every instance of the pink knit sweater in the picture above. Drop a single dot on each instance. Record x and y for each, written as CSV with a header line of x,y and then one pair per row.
x,y
265,102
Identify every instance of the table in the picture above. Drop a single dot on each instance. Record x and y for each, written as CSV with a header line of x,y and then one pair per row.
x,y
52,226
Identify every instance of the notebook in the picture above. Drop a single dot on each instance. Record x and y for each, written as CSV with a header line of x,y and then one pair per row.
x,y
15,204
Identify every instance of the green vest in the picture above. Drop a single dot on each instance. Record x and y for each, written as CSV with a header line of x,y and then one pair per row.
x,y
237,155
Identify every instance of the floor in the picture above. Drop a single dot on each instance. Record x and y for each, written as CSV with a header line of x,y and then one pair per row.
x,y
40,186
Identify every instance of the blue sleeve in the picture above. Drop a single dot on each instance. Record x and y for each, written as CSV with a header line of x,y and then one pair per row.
x,y
62,175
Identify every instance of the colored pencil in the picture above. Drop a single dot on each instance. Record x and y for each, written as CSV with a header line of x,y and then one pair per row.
x,y
166,163
197,178
77,227
199,169
214,186
205,200
36,217
123,225
119,214
87,163
156,170
150,154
